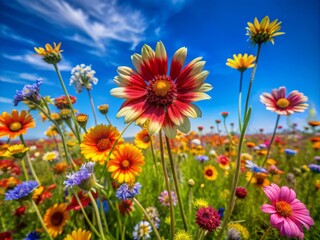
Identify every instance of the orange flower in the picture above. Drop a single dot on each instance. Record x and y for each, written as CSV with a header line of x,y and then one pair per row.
x,y
15,124
251,144
56,218
97,143
258,179
210,173
126,163
314,123
142,139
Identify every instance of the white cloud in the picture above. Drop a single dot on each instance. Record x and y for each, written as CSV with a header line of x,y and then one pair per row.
x,y
6,100
94,22
37,62
9,80
9,33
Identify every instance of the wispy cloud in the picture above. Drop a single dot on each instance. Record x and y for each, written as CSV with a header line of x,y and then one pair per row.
x,y
37,62
9,80
5,100
9,33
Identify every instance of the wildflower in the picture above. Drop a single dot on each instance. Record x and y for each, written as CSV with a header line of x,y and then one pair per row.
x,y
82,77
200,203
233,234
196,141
218,121
278,102
258,179
142,230
164,198
240,62
82,119
142,139
98,142
104,108
202,158
62,101
20,211
21,191
288,214
250,144
84,199
241,192
126,191
221,212
56,218
314,123
153,215
79,235
50,54
314,168
244,233
84,178
126,206
33,236
191,182
16,151
224,114
126,163
42,193
274,170
182,235
223,161
200,128
30,92
10,167
60,168
165,100
290,152
207,218
210,173
15,124
254,167
51,156
264,31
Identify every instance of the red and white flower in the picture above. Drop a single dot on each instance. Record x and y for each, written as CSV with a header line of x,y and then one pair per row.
x,y
163,100
282,105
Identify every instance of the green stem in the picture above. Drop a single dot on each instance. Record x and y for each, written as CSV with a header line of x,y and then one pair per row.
x,y
85,215
183,215
153,155
232,199
40,218
108,119
165,173
95,207
227,131
69,101
155,230
201,234
252,78
265,233
23,165
29,162
190,205
272,138
93,109
240,102
103,214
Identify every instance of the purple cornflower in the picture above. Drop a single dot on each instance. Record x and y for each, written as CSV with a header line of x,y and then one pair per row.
x,y
202,158
314,168
164,198
21,191
84,178
254,167
126,191
30,92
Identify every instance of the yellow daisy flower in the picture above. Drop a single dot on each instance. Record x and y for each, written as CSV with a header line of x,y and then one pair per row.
x,y
210,173
50,54
182,235
79,235
142,139
16,151
240,62
55,219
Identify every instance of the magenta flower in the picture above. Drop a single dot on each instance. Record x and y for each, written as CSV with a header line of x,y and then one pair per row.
x,y
278,102
288,214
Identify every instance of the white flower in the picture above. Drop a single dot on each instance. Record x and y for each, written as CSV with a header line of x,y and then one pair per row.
x,y
82,77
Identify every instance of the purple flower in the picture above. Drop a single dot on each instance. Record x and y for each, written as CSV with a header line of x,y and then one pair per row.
x,y
290,152
33,236
164,198
314,168
202,158
21,191
126,191
30,92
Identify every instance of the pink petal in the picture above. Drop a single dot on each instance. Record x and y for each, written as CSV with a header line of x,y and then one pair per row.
x,y
275,219
272,192
286,194
267,208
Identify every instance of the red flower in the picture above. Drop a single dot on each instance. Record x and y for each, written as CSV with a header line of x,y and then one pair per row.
x,y
241,192
20,211
6,235
218,121
208,218
62,102
164,101
126,206
84,199
224,114
9,166
200,128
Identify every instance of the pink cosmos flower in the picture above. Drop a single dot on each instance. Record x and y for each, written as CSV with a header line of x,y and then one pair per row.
x,y
288,214
162,100
282,105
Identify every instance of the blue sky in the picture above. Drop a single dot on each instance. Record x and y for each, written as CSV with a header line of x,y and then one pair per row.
x,y
106,33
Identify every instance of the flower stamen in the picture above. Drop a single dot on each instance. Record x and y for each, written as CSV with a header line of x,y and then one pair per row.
x,y
283,103
284,209
103,144
15,126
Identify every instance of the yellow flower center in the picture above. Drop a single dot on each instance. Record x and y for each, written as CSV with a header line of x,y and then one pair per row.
x,y
15,126
144,230
125,163
284,209
103,144
283,103
161,87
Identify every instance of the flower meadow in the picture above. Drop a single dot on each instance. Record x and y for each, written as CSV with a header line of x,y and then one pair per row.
x,y
169,181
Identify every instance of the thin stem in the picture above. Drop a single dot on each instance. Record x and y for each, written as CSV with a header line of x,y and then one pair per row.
x,y
165,173
103,214
252,78
95,207
40,218
240,102
272,138
29,161
183,215
69,101
23,165
153,155
85,215
155,230
93,108
227,131
201,234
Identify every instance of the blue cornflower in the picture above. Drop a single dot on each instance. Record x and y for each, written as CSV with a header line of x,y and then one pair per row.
x,y
290,152
30,92
33,236
254,167
105,205
84,178
126,191
314,168
202,158
21,191
82,77
221,212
